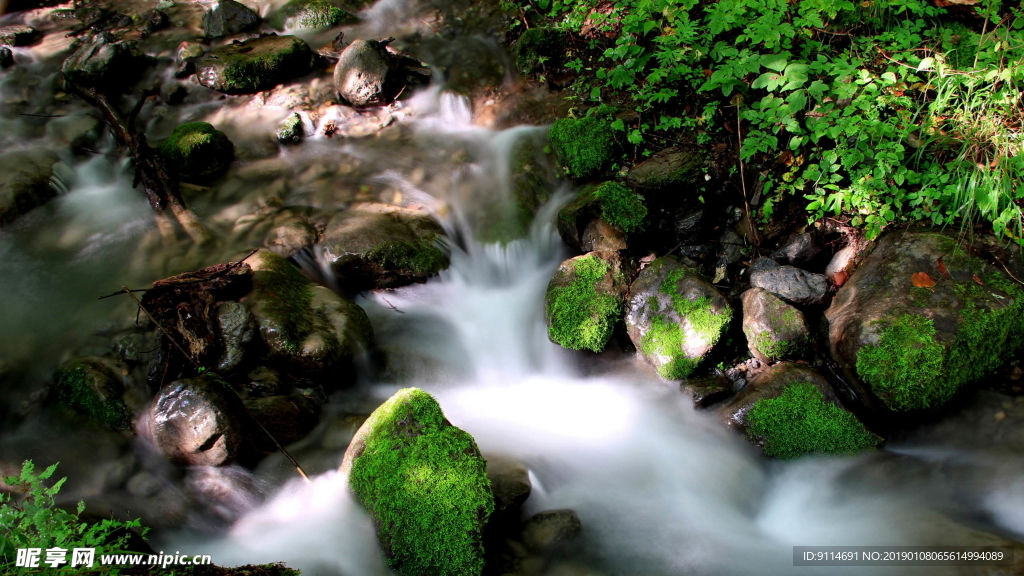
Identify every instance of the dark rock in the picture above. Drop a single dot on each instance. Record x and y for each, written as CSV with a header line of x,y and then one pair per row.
x,y
17,35
237,327
550,528
798,250
197,422
538,48
25,181
675,317
92,385
732,247
197,152
287,418
311,15
774,330
255,64
367,74
510,483
671,168
105,63
620,209
75,130
154,20
189,52
227,18
583,303
6,57
707,391
789,283
600,235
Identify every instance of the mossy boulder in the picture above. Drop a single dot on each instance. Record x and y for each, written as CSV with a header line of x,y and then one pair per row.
x,y
92,386
291,130
25,181
774,330
307,329
382,246
105,63
198,422
425,485
586,147
310,15
255,64
614,204
790,410
368,75
227,18
921,317
669,169
584,300
675,317
539,47
196,151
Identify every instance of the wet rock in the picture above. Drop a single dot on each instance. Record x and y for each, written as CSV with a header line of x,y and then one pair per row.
x,y
510,482
290,237
774,330
600,235
197,422
435,524
311,15
135,348
25,181
367,74
227,18
790,410
154,20
237,327
189,52
539,47
584,299
288,418
550,528
255,64
383,246
17,35
92,385
674,317
670,168
620,209
798,250
291,130
196,152
6,57
789,283
707,391
105,63
76,131
732,247
586,147
920,318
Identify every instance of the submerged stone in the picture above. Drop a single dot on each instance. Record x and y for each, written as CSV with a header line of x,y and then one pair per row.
x,y
25,181
105,63
774,330
367,74
92,386
227,18
311,15
425,485
196,151
584,300
551,528
255,64
610,202
586,147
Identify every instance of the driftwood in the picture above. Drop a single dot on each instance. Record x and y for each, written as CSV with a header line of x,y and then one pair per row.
x,y
150,170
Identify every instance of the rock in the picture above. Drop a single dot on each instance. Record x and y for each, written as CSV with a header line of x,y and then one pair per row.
x,y
732,247
707,391
288,418
383,246
197,422
790,410
842,265
196,152
774,330
311,15
227,18
308,330
237,327
584,300
154,20
798,250
189,52
25,181
539,47
671,168
17,35
75,130
600,235
105,63
255,64
367,74
510,483
424,484
291,130
675,317
91,385
920,318
586,147
6,57
290,237
789,283
550,528
617,206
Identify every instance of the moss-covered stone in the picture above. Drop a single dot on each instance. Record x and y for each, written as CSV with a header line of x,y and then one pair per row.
x,y
255,64
196,151
90,386
425,485
105,63
310,15
586,147
668,169
610,201
774,329
584,301
539,47
291,130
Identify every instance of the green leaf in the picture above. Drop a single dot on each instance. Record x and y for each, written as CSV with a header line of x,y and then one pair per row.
x,y
775,62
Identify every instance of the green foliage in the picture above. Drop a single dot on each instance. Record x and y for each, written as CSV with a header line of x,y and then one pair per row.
x,y
35,521
580,317
425,485
620,206
537,47
420,256
586,146
801,421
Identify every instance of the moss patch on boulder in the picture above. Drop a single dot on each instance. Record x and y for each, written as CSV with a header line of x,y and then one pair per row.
x,y
614,203
580,315
197,151
310,15
91,387
425,486
255,64
586,147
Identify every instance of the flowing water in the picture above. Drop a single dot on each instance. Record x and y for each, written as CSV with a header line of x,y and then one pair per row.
x,y
660,488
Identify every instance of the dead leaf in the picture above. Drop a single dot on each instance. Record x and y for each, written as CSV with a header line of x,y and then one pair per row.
x,y
978,280
921,280
942,269
839,278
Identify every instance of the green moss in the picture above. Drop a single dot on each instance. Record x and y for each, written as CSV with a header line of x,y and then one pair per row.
x,y
620,206
775,350
287,297
586,146
257,64
425,485
90,388
291,131
420,256
905,368
666,338
801,421
580,317
196,150
920,296
309,15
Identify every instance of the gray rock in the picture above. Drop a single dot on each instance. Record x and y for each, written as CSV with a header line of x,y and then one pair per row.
x,y
255,64
76,130
550,528
367,74
227,18
105,63
774,330
732,247
25,177
311,15
510,482
197,422
707,391
798,250
189,52
789,283
291,130
237,327
17,35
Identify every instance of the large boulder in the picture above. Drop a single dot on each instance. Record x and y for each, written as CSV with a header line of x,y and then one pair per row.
x,y
367,74
586,147
311,15
227,18
425,485
25,181
255,64
382,246
609,204
788,282
774,329
790,410
584,300
670,168
920,318
93,386
675,317
196,151
198,422
105,63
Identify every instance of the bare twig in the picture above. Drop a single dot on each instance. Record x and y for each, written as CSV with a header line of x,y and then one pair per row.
x,y
122,291
392,305
743,177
